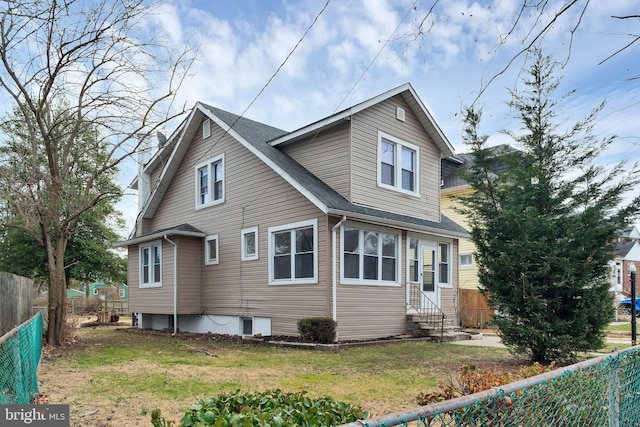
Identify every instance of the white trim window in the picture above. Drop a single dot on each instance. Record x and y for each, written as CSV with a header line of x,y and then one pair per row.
x,y
211,250
466,261
398,165
414,260
121,293
249,243
369,257
293,253
151,265
210,182
444,265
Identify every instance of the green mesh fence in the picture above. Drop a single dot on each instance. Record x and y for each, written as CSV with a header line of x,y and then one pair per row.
x,y
20,351
604,391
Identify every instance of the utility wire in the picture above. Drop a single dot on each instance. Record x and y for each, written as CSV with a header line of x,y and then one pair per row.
x,y
157,184
377,54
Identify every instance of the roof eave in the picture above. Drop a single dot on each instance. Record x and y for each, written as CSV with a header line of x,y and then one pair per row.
x,y
159,235
400,224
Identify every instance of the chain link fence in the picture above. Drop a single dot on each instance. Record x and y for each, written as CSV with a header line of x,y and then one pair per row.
x,y
604,391
20,351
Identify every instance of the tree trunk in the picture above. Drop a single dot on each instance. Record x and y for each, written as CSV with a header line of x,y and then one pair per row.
x,y
57,292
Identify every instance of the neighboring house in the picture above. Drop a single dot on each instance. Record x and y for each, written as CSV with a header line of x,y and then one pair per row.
x,y
123,291
627,252
245,229
108,291
75,293
474,310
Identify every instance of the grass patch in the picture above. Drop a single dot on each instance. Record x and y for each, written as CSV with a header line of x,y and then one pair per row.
x,y
619,328
126,374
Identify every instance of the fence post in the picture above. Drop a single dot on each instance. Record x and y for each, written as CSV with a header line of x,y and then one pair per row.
x,y
613,391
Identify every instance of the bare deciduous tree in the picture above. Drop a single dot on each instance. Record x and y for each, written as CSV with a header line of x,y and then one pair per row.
x,y
74,68
529,24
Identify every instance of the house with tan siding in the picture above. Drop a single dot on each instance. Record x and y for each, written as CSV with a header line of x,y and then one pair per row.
x,y
245,229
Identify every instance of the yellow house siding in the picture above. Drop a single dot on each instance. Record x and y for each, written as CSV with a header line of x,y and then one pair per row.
x,y
468,277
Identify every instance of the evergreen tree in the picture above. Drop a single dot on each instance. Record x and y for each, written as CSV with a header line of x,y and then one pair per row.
x,y
544,229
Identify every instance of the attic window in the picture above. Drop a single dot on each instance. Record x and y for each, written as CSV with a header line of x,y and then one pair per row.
x,y
398,165
400,114
206,129
209,182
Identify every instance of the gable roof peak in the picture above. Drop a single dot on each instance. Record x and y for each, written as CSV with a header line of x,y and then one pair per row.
x,y
409,94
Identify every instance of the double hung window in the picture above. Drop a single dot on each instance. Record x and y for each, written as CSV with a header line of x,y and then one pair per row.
x,y
210,182
443,264
151,265
397,164
293,253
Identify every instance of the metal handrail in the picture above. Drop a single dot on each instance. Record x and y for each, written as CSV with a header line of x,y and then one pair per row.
x,y
432,313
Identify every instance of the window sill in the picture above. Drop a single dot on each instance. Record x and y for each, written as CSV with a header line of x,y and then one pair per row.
x,y
296,282
150,285
399,190
208,205
350,282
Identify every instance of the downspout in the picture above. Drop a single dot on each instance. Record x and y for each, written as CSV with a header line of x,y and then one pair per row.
x,y
334,290
175,285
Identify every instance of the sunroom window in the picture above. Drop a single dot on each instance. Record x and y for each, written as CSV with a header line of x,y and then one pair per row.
x,y
369,256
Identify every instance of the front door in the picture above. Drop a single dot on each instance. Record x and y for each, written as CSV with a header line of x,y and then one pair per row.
x,y
428,279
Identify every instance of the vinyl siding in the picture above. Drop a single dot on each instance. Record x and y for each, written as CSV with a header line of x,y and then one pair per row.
x,y
190,258
371,310
254,196
468,276
366,310
151,300
364,187
327,156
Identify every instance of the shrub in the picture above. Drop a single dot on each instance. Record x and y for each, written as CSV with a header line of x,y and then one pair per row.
x,y
270,408
317,329
473,380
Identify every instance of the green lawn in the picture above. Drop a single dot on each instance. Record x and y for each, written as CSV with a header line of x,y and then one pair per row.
x,y
128,373
620,328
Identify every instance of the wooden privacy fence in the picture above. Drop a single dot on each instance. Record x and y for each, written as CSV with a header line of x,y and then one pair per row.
x,y
16,297
474,310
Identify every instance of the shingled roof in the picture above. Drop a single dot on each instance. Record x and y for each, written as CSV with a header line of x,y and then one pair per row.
x,y
258,135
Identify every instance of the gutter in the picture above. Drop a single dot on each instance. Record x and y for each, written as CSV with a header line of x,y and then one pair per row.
x,y
402,225
334,290
175,284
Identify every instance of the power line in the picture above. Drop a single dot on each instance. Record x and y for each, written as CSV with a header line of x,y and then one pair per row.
x,y
304,35
377,54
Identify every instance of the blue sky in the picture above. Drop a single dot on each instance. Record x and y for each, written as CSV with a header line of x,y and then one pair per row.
x,y
358,49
